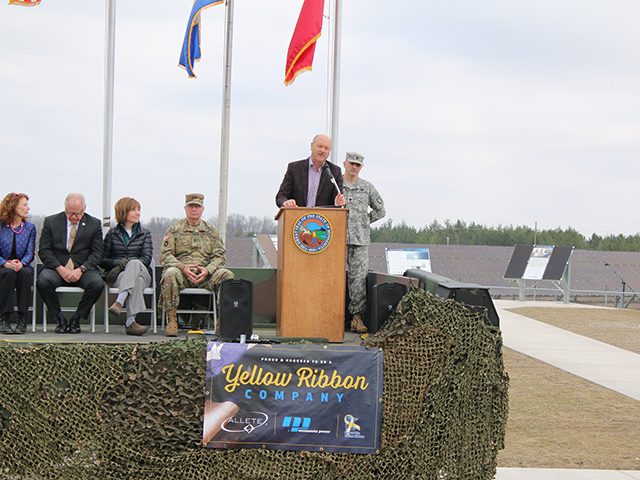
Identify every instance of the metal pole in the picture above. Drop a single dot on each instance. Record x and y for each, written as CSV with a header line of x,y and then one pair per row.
x,y
109,54
522,286
329,100
335,89
226,115
567,283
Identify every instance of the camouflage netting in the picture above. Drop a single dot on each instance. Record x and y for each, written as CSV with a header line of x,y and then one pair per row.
x,y
134,411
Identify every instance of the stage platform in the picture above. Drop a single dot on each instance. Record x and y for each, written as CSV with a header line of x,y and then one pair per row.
x,y
117,335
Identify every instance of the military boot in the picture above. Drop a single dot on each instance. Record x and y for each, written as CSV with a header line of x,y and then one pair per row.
x,y
172,324
357,325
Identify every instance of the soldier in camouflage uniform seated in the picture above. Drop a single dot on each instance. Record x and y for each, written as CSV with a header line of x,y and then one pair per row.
x,y
193,257
360,196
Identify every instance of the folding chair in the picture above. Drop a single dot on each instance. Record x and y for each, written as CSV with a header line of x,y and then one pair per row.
x,y
196,291
33,297
68,309
147,291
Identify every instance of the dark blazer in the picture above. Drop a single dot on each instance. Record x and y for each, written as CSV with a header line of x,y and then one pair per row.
x,y
296,182
25,244
87,247
140,246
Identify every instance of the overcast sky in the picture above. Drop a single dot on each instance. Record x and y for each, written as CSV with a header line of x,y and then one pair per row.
x,y
497,112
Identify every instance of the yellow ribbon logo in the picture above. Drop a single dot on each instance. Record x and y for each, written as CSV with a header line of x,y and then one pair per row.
x,y
350,423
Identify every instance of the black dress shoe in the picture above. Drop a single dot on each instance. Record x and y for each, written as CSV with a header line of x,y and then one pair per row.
x,y
21,326
61,326
74,325
5,325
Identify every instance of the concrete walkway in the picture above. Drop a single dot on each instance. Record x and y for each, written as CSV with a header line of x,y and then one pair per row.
x,y
598,362
564,474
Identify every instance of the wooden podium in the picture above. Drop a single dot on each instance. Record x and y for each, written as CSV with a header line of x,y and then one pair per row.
x,y
311,272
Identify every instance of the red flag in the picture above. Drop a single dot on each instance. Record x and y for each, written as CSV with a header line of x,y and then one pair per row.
x,y
303,41
25,3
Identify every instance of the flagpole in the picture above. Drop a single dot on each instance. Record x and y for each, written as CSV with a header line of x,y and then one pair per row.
x,y
108,112
335,88
226,115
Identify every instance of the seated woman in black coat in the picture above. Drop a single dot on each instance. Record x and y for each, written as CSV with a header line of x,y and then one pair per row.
x,y
128,250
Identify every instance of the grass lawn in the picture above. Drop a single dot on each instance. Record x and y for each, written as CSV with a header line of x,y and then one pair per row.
x,y
559,420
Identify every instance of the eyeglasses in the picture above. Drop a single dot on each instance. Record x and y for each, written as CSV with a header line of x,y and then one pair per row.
x,y
74,214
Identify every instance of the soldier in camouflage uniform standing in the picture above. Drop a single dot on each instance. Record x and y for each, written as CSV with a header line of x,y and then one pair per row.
x,y
360,196
193,256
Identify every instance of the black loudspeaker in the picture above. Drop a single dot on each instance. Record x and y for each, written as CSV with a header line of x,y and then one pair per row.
x,y
471,294
383,300
477,297
236,309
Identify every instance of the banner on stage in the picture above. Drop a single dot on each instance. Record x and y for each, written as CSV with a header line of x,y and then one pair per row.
x,y
293,397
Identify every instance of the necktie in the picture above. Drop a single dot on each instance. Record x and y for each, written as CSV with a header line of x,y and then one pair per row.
x,y
72,238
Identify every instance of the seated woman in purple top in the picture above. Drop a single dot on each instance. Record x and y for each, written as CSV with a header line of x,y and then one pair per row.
x,y
17,250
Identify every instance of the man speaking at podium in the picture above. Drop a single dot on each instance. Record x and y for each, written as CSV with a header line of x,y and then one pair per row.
x,y
314,181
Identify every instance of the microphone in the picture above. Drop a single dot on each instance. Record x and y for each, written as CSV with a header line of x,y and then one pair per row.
x,y
331,177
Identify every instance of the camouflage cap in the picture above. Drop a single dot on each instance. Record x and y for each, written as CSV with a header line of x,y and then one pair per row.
x,y
194,198
354,157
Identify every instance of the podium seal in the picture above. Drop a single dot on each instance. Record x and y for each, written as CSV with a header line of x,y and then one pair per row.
x,y
312,233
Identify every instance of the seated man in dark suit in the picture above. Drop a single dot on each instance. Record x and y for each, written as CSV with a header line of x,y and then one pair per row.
x,y
70,250
314,181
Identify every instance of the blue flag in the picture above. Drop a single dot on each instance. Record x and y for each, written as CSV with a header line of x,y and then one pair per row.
x,y
191,44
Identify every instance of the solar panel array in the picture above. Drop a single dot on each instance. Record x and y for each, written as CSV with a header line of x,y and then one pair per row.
x,y
486,265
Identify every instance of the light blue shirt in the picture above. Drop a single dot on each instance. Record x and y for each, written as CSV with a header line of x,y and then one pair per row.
x,y
314,182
